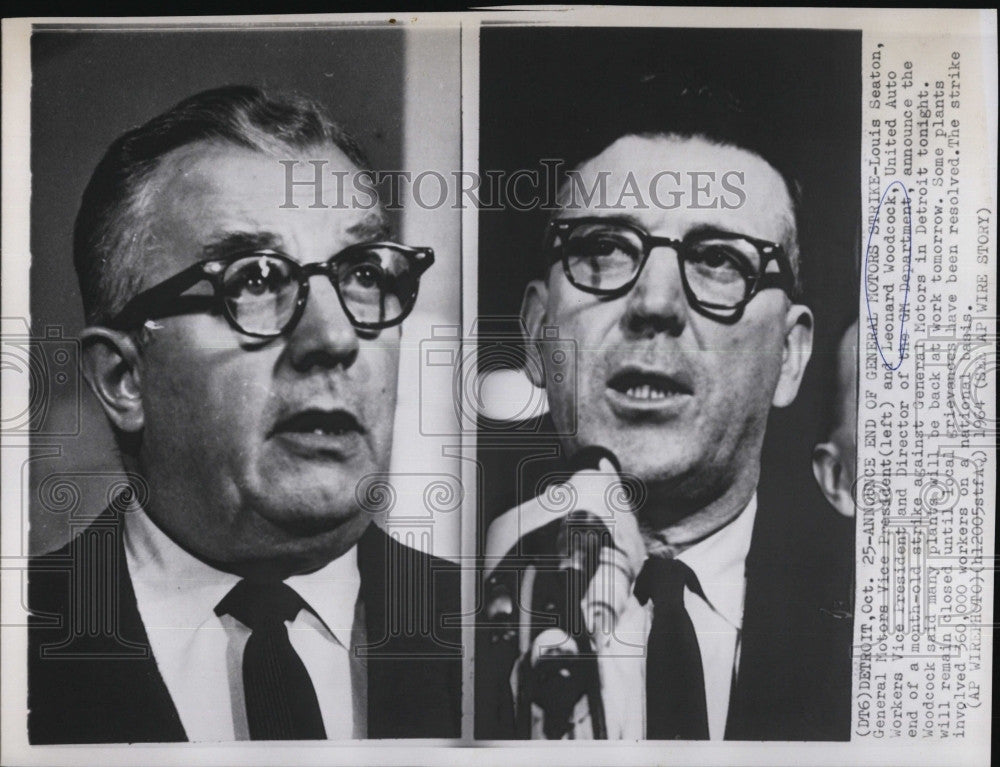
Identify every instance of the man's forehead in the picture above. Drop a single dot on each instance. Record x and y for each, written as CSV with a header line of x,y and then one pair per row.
x,y
221,168
649,154
215,185
665,179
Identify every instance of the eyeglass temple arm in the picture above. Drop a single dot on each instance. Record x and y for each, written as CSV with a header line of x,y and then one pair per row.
x,y
149,302
783,279
424,262
424,258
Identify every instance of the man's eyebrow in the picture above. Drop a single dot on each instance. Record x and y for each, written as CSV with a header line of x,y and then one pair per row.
x,y
624,218
627,218
232,242
699,230
696,231
372,227
617,218
710,230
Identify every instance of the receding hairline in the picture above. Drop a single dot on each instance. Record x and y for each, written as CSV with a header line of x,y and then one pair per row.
x,y
109,237
203,149
790,235
141,209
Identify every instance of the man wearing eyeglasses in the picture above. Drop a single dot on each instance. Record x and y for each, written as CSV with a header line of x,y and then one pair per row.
x,y
690,328
245,352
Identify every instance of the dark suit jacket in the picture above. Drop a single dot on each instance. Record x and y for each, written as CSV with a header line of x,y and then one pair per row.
x,y
92,677
794,680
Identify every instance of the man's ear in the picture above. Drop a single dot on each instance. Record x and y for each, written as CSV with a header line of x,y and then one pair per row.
x,y
798,350
536,296
111,365
829,472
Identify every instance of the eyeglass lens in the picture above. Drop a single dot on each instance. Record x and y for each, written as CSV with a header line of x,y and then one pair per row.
x,y
261,291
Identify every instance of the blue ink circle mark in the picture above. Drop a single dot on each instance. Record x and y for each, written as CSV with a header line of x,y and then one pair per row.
x,y
908,253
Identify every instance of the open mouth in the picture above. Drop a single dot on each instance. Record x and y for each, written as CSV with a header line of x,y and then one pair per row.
x,y
647,386
322,423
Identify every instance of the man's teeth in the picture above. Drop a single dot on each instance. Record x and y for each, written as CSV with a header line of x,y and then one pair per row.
x,y
322,432
646,392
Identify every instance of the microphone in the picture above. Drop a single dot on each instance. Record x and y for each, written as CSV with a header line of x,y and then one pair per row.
x,y
604,542
599,553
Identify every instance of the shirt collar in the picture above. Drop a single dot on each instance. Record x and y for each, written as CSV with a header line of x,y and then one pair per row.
x,y
183,591
719,561
332,592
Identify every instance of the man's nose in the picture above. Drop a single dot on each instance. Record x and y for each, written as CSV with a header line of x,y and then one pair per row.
x,y
656,303
324,336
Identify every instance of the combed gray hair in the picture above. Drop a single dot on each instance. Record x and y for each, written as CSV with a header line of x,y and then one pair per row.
x,y
110,233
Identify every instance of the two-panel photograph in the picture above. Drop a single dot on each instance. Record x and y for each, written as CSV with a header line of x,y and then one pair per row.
x,y
409,385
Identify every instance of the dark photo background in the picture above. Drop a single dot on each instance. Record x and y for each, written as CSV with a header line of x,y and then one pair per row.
x,y
557,93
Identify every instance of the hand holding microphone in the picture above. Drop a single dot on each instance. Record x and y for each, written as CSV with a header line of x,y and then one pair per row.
x,y
599,538
584,587
603,541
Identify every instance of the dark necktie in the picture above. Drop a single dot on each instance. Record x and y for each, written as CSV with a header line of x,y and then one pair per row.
x,y
675,682
280,699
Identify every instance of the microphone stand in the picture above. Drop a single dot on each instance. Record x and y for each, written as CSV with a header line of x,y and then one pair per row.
x,y
556,660
562,667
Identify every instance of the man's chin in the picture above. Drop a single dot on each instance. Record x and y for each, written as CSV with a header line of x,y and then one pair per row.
x,y
310,522
645,456
655,479
302,541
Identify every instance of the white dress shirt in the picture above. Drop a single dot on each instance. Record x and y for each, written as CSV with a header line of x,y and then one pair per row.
x,y
200,654
719,561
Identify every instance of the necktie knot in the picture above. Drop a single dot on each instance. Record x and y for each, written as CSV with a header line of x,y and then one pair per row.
x,y
281,702
663,581
258,605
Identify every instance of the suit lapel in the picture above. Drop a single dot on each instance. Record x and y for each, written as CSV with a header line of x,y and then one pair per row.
x,y
764,638
92,675
794,670
101,684
414,672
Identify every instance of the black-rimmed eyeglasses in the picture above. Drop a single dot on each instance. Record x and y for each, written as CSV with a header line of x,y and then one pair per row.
x,y
720,272
263,293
